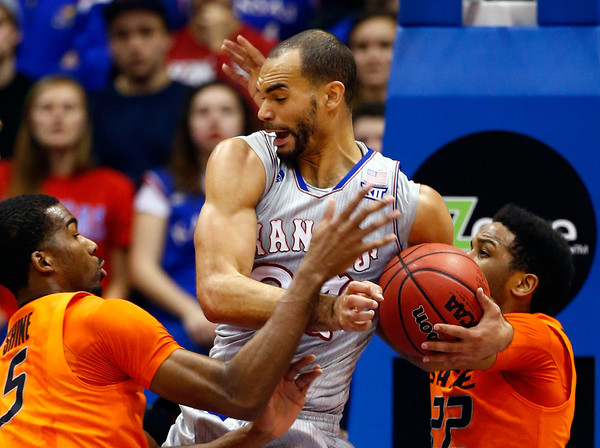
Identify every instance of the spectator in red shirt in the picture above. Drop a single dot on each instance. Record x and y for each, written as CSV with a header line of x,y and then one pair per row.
x,y
52,156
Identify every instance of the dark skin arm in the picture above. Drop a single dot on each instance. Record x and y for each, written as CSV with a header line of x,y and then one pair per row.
x,y
281,411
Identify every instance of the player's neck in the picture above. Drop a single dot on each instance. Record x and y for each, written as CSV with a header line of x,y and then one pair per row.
x,y
42,285
31,293
516,305
330,160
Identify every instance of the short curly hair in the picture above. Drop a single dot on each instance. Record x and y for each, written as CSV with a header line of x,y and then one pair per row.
x,y
543,251
24,226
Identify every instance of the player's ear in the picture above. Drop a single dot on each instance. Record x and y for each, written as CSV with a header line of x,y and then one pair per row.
x,y
525,285
42,261
335,94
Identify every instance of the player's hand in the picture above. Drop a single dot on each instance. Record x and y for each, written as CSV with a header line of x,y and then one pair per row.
x,y
288,399
355,307
477,346
338,240
198,328
248,58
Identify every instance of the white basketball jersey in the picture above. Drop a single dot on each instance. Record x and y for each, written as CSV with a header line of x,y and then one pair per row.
x,y
287,213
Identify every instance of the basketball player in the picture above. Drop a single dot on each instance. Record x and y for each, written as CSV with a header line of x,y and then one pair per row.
x,y
73,365
523,397
264,193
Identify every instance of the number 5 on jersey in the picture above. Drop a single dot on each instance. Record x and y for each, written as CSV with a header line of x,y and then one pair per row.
x,y
17,383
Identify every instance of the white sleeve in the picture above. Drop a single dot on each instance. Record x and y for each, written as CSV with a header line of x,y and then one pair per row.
x,y
261,143
151,198
195,426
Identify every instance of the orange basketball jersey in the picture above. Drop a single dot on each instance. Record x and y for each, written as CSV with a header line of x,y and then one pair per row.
x,y
45,404
504,405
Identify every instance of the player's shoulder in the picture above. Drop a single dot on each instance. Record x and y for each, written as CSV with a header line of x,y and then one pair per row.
x,y
232,144
84,307
105,314
240,149
533,319
534,327
260,139
110,305
379,159
539,321
234,172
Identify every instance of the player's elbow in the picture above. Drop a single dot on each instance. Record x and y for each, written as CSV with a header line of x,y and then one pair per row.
x,y
248,409
244,402
209,306
210,292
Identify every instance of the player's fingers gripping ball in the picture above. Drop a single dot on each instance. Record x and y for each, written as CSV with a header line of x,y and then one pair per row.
x,y
427,284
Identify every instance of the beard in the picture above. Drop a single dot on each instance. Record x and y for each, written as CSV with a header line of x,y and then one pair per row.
x,y
305,128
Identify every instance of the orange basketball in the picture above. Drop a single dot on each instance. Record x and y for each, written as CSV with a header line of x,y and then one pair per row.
x,y
427,284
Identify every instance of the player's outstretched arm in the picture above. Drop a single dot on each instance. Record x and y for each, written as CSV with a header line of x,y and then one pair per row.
x,y
477,346
287,401
242,387
281,411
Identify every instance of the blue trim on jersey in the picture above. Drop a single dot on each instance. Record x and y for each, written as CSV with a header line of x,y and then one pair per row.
x,y
395,184
301,182
354,169
345,179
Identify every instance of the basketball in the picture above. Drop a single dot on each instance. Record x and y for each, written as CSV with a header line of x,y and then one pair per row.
x,y
427,284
